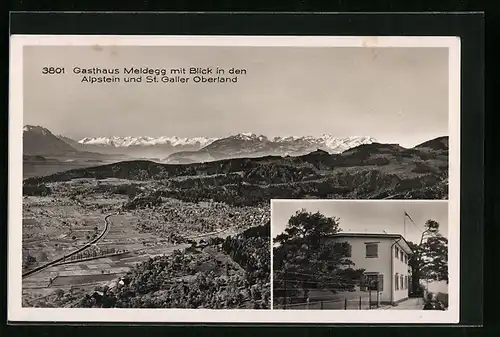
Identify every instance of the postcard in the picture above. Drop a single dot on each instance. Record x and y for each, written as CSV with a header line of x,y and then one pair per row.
x,y
234,179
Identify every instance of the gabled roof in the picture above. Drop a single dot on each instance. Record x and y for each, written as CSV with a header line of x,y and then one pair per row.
x,y
396,237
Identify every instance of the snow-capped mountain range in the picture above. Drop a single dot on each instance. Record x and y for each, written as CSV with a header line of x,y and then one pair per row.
x,y
335,144
252,145
172,149
145,141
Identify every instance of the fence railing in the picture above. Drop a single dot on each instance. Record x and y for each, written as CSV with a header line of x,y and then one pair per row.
x,y
292,290
358,303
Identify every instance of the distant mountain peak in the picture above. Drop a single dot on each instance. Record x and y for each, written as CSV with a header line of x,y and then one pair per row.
x,y
249,136
36,129
320,152
38,140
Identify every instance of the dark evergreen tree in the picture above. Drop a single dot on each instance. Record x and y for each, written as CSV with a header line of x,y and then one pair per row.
x,y
305,258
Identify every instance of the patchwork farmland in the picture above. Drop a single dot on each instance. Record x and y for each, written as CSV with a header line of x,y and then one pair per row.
x,y
80,239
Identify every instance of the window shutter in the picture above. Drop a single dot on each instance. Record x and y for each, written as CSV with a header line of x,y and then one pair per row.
x,y
380,282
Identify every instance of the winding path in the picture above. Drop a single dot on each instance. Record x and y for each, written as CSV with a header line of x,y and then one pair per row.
x,y
87,245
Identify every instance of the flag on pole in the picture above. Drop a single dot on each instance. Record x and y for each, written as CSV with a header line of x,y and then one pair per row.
x,y
409,217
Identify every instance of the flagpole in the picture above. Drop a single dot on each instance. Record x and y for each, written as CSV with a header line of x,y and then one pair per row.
x,y
404,225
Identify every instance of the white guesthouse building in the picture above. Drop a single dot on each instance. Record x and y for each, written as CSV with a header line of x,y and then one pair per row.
x,y
384,257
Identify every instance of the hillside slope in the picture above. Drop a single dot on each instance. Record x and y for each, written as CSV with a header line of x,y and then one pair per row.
x,y
38,140
373,171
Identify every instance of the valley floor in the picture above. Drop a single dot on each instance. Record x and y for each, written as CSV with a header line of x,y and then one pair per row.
x,y
56,225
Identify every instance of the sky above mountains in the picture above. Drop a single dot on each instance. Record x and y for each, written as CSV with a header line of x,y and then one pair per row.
x,y
396,95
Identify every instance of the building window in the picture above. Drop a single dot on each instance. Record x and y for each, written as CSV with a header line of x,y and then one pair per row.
x,y
402,282
401,256
406,282
396,282
371,250
406,259
396,252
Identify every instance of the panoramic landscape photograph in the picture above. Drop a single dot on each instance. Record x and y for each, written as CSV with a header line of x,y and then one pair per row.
x,y
144,194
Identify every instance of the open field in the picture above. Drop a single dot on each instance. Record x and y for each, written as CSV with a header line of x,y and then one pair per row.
x,y
52,227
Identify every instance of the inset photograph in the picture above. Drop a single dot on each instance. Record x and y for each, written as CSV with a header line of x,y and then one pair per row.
x,y
360,255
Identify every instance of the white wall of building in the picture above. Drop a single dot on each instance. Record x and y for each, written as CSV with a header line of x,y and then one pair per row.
x,y
381,264
401,268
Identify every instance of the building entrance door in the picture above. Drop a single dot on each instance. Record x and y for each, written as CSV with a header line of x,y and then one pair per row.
x,y
374,284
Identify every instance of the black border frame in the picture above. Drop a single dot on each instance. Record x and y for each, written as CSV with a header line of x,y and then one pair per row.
x,y
468,26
